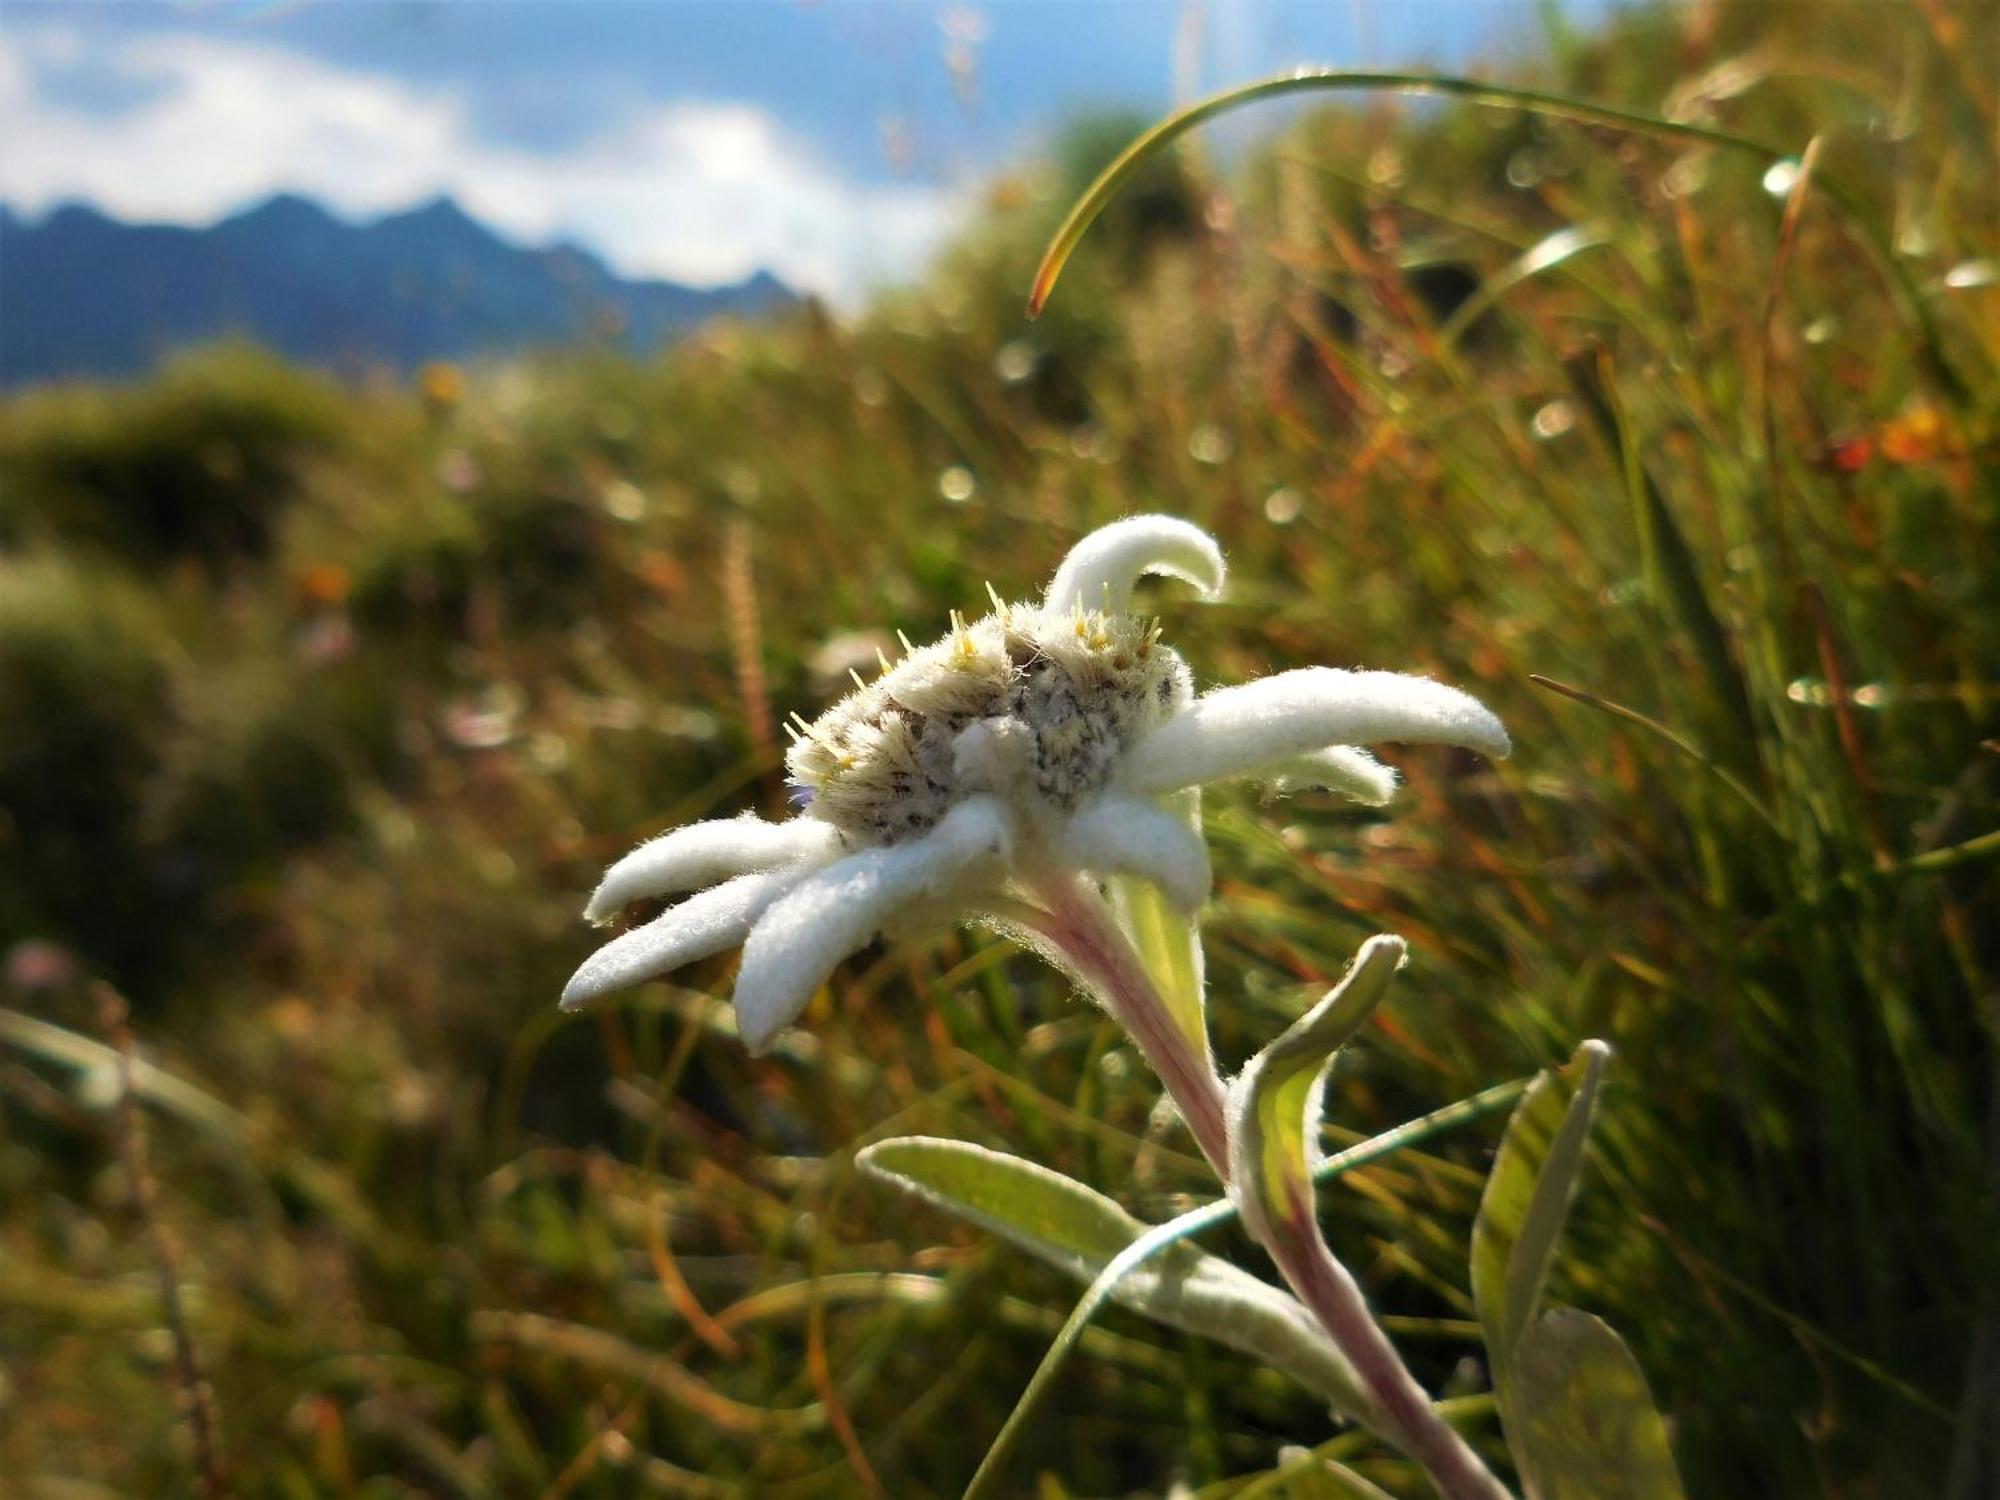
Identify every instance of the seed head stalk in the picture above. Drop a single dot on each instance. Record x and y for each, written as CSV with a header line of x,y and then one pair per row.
x,y
1075,921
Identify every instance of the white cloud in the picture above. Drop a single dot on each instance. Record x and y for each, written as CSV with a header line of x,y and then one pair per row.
x,y
695,192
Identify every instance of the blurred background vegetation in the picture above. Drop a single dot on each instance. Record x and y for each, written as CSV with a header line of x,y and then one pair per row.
x,y
323,706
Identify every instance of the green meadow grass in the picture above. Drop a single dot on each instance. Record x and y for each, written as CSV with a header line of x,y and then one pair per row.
x,y
325,706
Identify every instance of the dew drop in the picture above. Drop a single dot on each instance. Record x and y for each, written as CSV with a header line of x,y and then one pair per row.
x,y
1015,362
1686,177
625,500
1553,420
1208,444
956,484
1971,273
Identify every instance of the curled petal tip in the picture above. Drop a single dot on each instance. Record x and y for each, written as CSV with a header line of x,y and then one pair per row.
x,y
1383,945
795,944
701,854
1352,772
579,992
1243,730
702,925
1494,741
1100,570
759,1040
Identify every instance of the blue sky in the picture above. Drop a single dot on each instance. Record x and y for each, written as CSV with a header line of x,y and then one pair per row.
x,y
833,141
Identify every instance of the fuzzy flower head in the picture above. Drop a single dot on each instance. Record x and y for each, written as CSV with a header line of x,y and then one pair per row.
x,y
1038,742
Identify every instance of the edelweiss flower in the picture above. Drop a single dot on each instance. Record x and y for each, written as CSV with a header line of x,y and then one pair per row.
x,y
1036,743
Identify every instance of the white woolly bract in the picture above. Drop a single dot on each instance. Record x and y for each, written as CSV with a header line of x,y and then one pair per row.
x,y
1100,570
703,853
704,924
828,914
1235,730
1129,836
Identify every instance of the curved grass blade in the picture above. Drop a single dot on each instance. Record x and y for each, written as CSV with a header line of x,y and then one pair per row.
x,y
1673,582
1544,255
1904,294
1674,738
251,1149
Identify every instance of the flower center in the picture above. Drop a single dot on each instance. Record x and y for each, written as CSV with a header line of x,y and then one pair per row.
x,y
1031,705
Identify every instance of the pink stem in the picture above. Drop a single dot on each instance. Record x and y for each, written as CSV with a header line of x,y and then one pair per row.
x,y
1079,926
1076,923
1330,1290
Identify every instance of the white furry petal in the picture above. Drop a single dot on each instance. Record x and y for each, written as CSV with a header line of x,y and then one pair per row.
x,y
1338,768
1234,731
1126,836
833,911
1101,569
716,919
700,854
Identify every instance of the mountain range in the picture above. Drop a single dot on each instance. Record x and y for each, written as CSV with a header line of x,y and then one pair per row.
x,y
82,294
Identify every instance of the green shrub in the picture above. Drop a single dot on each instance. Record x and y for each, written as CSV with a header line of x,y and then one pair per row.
x,y
199,463
85,698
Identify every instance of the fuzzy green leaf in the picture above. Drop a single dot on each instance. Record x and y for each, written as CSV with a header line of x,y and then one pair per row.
x,y
1274,1105
1078,1230
1584,1425
1527,1199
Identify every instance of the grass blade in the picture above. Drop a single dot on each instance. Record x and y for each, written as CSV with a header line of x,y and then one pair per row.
x,y
1908,300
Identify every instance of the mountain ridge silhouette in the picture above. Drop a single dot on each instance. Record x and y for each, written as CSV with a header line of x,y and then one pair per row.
x,y
83,294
